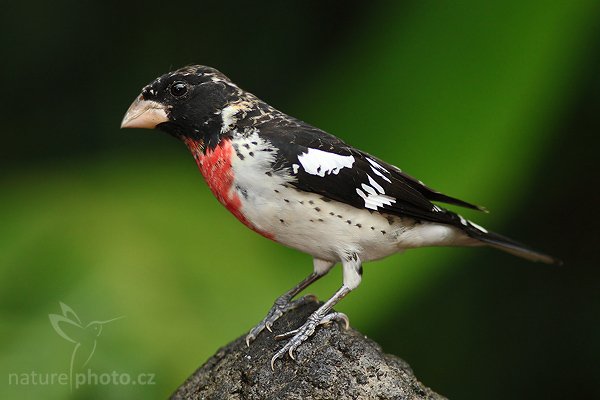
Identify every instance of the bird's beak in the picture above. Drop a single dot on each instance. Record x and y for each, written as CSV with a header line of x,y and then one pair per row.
x,y
144,114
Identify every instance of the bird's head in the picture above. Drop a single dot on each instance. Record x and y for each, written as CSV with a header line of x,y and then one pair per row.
x,y
95,327
185,103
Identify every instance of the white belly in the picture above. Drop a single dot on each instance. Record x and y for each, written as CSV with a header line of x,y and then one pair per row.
x,y
328,229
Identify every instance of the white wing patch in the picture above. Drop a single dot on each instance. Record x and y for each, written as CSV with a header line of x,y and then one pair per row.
x,y
481,228
374,195
376,165
321,163
377,168
375,184
466,222
380,174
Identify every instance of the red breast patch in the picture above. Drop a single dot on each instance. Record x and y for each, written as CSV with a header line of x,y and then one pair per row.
x,y
215,166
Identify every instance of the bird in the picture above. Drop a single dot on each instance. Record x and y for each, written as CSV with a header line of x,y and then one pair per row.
x,y
304,188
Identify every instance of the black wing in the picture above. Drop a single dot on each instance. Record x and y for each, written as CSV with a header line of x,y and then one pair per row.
x,y
363,181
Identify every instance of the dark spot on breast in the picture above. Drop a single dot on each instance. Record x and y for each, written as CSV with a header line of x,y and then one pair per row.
x,y
301,201
372,228
326,199
246,145
276,191
286,200
251,154
320,219
242,190
269,173
383,232
240,155
311,202
359,225
282,221
312,220
339,216
331,213
317,209
254,143
318,169
348,221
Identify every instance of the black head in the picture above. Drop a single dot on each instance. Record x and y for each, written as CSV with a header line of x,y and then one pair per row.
x,y
185,102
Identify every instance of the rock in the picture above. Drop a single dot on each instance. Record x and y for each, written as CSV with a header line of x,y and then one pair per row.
x,y
333,364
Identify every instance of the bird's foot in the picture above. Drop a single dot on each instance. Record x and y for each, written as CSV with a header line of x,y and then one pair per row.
x,y
300,335
281,306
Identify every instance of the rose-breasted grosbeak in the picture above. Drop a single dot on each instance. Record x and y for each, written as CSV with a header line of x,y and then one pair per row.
x,y
302,187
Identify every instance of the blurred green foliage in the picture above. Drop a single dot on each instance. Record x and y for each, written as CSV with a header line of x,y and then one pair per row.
x,y
463,95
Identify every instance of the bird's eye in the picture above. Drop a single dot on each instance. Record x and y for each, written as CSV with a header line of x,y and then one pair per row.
x,y
178,89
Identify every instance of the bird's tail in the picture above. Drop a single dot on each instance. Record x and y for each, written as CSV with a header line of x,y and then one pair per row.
x,y
510,246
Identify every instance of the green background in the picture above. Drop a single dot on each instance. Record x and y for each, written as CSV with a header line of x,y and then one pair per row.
x,y
492,102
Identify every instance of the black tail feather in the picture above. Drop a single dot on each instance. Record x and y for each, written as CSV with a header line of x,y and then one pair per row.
x,y
510,246
436,196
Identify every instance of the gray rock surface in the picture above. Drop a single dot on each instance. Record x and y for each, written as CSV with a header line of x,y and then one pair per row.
x,y
333,364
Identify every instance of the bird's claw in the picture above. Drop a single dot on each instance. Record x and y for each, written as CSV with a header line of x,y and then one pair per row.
x,y
336,316
301,334
280,307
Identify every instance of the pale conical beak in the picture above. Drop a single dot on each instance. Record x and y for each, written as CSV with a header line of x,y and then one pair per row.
x,y
144,114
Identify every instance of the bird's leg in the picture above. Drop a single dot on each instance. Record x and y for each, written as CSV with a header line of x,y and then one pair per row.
x,y
284,302
352,277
